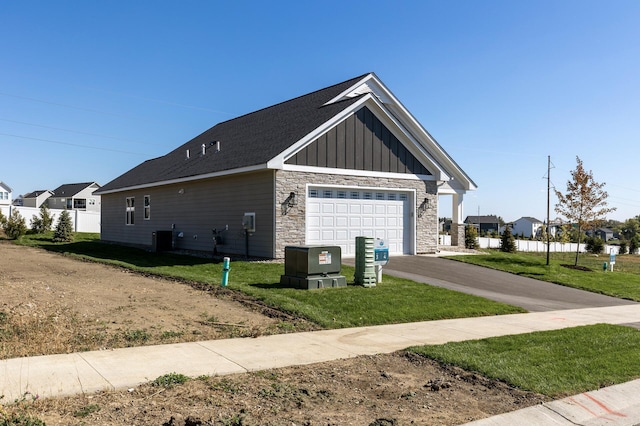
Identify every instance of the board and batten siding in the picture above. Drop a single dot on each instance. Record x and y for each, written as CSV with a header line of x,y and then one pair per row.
x,y
361,142
196,208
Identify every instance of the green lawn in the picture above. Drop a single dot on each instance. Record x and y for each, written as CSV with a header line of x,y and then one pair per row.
x,y
395,300
555,363
623,282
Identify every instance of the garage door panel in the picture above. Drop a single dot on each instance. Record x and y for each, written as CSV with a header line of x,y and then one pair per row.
x,y
338,221
328,235
327,221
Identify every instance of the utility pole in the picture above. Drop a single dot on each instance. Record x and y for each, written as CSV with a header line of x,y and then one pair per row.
x,y
548,206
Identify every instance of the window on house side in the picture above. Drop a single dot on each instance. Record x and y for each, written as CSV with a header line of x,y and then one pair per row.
x,y
147,207
130,210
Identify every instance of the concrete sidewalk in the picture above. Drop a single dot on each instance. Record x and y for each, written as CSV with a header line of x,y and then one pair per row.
x,y
87,372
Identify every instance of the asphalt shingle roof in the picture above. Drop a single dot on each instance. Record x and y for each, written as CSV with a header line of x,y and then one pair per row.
x,y
70,189
249,140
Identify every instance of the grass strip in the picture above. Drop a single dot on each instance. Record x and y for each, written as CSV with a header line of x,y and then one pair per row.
x,y
554,363
625,285
395,300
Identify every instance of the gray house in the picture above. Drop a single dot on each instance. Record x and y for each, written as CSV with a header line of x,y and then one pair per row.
x,y
36,198
75,196
344,161
484,224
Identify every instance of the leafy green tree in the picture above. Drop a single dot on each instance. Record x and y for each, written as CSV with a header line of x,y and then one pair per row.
x,y
3,220
64,228
471,237
630,228
41,224
623,247
594,245
634,243
585,202
15,227
565,233
508,241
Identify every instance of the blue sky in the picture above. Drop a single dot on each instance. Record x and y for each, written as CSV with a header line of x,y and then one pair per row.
x,y
89,90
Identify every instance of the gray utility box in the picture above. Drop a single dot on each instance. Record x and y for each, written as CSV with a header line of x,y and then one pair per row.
x,y
311,267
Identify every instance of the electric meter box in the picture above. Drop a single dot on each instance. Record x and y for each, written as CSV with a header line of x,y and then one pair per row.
x,y
311,267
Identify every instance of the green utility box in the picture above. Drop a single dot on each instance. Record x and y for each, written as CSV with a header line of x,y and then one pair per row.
x,y
365,274
311,267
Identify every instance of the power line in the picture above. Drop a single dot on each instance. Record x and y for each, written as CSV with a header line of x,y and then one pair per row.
x,y
72,144
71,131
67,106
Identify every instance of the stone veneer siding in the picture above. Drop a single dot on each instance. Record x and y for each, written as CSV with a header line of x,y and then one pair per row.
x,y
290,227
457,235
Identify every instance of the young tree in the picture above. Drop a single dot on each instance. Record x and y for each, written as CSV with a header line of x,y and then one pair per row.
x,y
508,241
623,247
471,237
584,202
41,224
15,227
595,245
64,228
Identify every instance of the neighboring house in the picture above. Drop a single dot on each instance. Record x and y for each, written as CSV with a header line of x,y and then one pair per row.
x,y
605,234
5,194
555,227
75,196
36,198
527,227
321,169
484,224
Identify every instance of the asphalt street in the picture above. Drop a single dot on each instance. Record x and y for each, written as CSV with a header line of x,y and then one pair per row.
x,y
530,294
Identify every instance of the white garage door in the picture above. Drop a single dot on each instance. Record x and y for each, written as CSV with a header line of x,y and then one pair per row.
x,y
338,216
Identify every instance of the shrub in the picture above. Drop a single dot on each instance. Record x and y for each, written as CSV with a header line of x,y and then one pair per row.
x,y
508,242
594,245
623,247
41,224
471,237
15,227
64,228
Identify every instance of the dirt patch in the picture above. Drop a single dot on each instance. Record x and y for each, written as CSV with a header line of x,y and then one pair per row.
x,y
577,267
80,306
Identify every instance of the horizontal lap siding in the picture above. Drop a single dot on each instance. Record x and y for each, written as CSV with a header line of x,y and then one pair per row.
x,y
360,142
201,207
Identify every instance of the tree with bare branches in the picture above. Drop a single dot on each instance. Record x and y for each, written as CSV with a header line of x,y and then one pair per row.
x,y
585,202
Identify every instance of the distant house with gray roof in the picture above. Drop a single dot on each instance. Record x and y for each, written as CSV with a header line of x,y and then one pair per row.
x,y
527,227
484,224
36,198
75,196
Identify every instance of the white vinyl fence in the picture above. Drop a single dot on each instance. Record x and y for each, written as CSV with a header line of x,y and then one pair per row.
x,y
534,246
82,221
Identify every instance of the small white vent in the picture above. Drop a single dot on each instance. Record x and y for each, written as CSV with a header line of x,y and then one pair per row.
x,y
188,154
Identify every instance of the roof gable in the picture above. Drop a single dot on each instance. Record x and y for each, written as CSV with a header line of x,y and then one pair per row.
x,y
481,219
5,186
267,138
71,189
373,147
36,194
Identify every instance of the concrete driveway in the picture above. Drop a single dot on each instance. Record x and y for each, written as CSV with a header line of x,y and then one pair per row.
x,y
528,293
